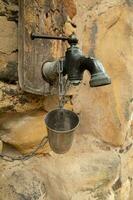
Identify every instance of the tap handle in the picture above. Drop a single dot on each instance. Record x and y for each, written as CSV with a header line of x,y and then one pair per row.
x,y
72,39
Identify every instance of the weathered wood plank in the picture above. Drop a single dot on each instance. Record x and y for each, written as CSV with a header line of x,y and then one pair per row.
x,y
43,17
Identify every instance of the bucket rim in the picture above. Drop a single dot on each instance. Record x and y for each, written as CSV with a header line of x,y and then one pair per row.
x,y
59,132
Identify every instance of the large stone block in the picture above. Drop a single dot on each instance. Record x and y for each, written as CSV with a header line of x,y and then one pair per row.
x,y
21,182
107,35
86,172
76,176
8,36
24,131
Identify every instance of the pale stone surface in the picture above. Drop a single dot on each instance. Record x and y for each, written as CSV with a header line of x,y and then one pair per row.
x,y
124,191
85,172
61,177
107,35
21,182
68,28
70,7
24,131
8,36
97,195
2,7
131,189
127,164
1,146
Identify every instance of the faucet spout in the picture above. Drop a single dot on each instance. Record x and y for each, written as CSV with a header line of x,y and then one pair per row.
x,y
76,63
99,77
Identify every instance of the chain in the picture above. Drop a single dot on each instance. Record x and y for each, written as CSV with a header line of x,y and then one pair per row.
x,y
63,84
27,156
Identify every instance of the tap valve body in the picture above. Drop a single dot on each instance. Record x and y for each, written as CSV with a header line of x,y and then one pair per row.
x,y
74,64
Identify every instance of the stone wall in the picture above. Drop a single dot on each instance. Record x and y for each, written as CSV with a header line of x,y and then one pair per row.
x,y
99,165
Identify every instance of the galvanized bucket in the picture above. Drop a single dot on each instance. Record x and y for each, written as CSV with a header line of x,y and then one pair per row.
x,y
61,124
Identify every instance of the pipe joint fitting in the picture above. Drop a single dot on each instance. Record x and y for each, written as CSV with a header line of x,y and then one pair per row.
x,y
50,71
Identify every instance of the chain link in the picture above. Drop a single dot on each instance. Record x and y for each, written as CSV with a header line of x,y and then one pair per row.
x,y
27,156
63,84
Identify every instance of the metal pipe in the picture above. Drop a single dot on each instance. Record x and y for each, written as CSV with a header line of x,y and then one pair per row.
x,y
72,39
50,70
38,36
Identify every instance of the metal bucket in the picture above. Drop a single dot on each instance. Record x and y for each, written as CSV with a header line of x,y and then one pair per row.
x,y
61,124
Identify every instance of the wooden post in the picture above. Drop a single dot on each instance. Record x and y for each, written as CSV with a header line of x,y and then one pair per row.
x,y
33,17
